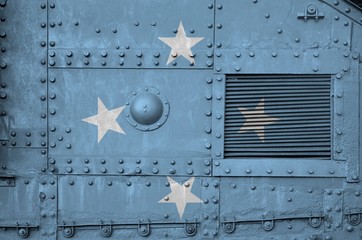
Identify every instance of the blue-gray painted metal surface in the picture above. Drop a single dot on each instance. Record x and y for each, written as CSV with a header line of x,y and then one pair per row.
x,y
209,119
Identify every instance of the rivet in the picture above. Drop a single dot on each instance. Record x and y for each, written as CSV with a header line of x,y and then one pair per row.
x,y
69,169
338,150
219,26
357,193
98,30
355,177
251,54
109,183
274,54
218,45
346,24
217,163
345,43
103,170
347,10
104,54
52,144
297,40
253,187
209,63
272,188
190,171
219,7
155,170
339,192
218,69
310,171
52,24
290,199
68,146
269,171
173,162
237,68
315,69
52,43
290,171
218,135
331,171
228,170
90,183
267,15
279,30
136,23
120,170
336,40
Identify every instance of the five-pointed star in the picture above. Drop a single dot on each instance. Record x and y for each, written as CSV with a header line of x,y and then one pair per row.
x,y
181,45
181,195
255,120
105,120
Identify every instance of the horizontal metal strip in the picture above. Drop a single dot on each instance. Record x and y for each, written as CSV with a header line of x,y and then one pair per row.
x,y
273,149
322,156
263,92
279,106
280,95
276,88
308,125
277,111
285,131
296,118
279,83
286,102
261,122
281,76
279,146
247,140
237,115
280,135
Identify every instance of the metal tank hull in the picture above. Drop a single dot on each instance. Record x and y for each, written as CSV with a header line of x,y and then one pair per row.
x,y
207,119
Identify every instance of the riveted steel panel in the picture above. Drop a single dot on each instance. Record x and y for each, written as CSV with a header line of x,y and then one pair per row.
x,y
19,208
72,136
272,209
129,27
136,207
114,114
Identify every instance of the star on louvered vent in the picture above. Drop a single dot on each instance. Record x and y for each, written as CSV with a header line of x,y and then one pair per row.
x,y
278,116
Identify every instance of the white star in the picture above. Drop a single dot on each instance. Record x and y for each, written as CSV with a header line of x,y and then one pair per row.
x,y
255,120
105,120
180,45
181,195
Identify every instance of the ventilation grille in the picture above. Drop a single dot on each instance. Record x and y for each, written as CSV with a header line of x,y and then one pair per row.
x,y
278,116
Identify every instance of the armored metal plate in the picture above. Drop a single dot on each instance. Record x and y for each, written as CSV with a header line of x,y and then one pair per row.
x,y
73,132
208,119
273,210
120,34
17,208
136,207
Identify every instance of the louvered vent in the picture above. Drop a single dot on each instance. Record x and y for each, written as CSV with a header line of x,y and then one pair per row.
x,y
278,116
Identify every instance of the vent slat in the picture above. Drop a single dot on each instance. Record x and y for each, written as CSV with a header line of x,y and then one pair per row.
x,y
278,116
